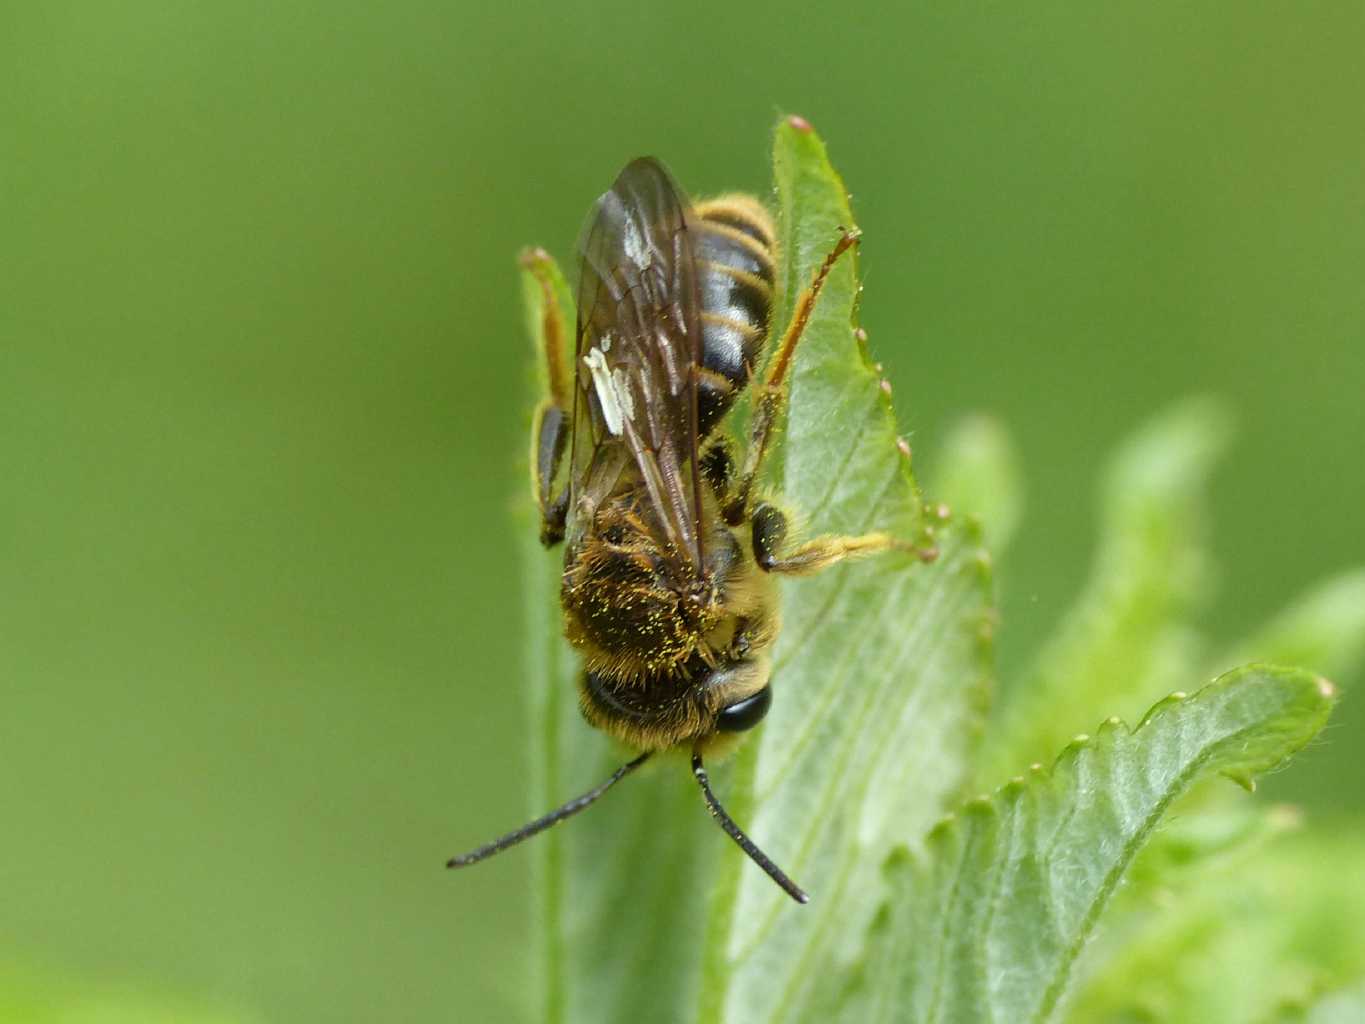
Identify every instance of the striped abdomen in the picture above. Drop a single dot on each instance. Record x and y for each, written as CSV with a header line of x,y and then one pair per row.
x,y
735,275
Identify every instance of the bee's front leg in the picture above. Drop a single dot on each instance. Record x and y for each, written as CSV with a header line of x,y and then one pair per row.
x,y
550,428
769,526
771,394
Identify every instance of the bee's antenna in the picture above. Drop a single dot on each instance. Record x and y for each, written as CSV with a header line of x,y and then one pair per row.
x,y
568,810
745,843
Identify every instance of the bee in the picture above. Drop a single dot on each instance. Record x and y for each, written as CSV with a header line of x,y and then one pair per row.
x,y
670,554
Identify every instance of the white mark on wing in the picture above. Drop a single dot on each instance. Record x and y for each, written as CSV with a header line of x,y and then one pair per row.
x,y
613,391
634,243
623,393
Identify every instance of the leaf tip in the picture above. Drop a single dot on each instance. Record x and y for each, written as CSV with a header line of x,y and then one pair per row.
x,y
899,856
1163,705
979,808
1111,724
531,257
1072,751
1014,789
942,830
799,123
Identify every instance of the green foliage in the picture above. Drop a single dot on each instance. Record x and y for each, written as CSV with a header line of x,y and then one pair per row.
x,y
978,472
1324,629
1127,638
988,924
881,679
1255,937
882,665
1338,1008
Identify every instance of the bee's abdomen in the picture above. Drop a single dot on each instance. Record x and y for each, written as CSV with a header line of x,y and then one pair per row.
x,y
735,276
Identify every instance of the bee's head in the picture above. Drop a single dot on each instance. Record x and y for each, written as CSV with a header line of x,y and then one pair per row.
x,y
739,694
695,703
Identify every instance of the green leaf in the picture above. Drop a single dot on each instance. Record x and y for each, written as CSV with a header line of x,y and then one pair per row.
x,y
1339,1008
977,474
1257,938
1205,830
1323,629
988,924
1127,638
882,665
646,910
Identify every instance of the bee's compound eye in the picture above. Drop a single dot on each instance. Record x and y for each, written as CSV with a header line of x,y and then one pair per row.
x,y
747,713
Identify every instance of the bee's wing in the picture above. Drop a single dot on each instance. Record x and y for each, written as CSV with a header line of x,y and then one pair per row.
x,y
637,353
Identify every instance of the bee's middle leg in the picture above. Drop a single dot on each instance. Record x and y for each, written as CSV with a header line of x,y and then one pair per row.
x,y
769,530
549,437
550,428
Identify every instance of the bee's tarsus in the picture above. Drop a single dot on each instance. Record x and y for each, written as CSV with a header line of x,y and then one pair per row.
x,y
737,834
567,810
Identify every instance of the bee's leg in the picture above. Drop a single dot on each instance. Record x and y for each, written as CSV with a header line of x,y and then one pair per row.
x,y
771,394
718,467
769,526
549,436
550,429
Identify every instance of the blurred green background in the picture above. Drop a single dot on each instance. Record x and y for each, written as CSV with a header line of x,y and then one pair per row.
x,y
261,374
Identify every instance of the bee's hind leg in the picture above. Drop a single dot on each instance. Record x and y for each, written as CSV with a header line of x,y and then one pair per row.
x,y
550,428
771,394
769,526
